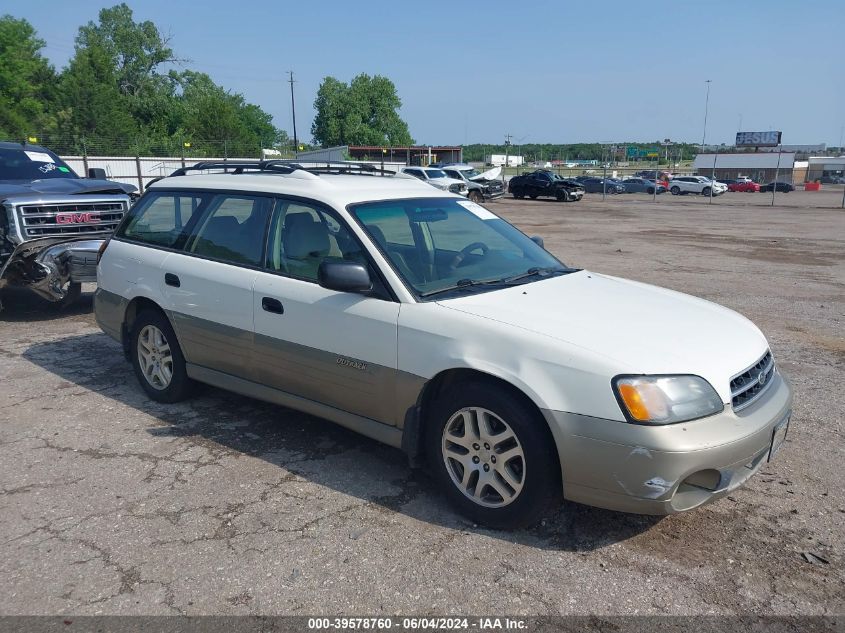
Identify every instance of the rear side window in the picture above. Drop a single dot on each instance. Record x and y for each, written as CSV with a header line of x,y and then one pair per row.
x,y
162,219
233,229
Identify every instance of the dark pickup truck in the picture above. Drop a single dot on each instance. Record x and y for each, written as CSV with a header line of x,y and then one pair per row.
x,y
545,183
52,222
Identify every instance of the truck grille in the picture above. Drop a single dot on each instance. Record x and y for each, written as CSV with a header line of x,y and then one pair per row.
x,y
753,382
45,220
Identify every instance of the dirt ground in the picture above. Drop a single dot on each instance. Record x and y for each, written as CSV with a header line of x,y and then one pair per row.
x,y
113,504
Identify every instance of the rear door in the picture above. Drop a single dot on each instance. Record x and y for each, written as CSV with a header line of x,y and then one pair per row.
x,y
208,286
336,348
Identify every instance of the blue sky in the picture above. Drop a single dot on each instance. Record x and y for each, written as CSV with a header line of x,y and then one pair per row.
x,y
543,71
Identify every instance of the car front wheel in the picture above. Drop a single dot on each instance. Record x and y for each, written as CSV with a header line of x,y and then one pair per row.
x,y
475,196
676,190
492,456
705,191
157,358
562,196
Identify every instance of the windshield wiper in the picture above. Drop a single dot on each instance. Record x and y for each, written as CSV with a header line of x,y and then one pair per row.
x,y
460,285
538,272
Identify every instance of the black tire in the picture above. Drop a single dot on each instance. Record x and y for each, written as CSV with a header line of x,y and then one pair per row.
x,y
72,294
518,193
562,196
650,191
475,196
676,190
705,191
179,386
533,196
541,484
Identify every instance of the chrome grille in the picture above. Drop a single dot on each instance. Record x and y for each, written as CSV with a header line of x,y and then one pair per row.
x,y
749,385
43,220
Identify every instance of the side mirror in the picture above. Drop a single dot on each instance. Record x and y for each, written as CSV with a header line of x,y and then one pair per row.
x,y
344,276
97,173
538,241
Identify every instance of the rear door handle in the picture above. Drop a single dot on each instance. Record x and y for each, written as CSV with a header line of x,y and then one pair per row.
x,y
172,280
272,305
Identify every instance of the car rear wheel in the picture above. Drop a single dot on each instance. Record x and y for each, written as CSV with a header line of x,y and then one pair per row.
x,y
157,358
676,190
492,456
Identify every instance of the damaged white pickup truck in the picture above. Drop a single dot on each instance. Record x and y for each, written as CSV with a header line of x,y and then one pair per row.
x,y
52,222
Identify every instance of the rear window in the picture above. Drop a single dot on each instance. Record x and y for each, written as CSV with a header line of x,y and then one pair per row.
x,y
162,219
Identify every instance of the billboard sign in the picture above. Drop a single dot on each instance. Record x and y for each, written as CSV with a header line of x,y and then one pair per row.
x,y
636,152
758,139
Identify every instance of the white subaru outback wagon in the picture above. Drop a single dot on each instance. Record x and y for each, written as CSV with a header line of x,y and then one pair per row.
x,y
427,322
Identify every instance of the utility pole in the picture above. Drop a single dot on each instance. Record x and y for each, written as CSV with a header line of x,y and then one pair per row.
x,y
508,138
293,113
706,107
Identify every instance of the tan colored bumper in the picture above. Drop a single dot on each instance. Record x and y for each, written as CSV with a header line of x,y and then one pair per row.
x,y
666,469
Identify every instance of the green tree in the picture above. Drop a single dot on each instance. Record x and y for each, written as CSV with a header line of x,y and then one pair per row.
x,y
363,112
95,105
27,81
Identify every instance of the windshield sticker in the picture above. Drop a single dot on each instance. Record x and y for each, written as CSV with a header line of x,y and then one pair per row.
x,y
477,210
47,168
64,169
39,157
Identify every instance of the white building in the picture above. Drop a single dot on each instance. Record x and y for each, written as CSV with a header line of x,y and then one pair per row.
x,y
498,160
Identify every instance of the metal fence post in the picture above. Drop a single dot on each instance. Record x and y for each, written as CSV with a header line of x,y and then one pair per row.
x,y
775,182
84,158
138,171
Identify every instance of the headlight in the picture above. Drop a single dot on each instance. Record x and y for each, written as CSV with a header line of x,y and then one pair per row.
x,y
666,399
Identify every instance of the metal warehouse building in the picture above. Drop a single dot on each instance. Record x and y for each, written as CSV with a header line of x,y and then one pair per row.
x,y
759,166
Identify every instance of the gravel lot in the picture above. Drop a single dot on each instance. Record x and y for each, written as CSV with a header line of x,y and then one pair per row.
x,y
113,504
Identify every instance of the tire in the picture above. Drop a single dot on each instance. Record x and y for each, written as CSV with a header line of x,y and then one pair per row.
x,y
518,193
533,471
650,191
157,358
676,190
475,196
562,195
533,196
72,294
705,191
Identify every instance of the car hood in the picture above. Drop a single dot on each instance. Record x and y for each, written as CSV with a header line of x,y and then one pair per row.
x,y
490,174
640,328
63,186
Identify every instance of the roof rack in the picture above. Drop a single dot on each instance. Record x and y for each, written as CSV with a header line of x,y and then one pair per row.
x,y
286,167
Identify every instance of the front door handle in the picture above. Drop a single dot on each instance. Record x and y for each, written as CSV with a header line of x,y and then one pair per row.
x,y
172,280
272,305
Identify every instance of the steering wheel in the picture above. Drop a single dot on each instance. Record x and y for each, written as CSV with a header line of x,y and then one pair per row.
x,y
465,251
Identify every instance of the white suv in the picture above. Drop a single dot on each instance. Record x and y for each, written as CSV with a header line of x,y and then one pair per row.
x,y
423,320
681,185
437,178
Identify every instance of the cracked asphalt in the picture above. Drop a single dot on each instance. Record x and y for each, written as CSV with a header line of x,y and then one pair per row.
x,y
114,504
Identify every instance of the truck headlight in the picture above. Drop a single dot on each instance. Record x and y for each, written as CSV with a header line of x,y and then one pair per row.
x,y
666,399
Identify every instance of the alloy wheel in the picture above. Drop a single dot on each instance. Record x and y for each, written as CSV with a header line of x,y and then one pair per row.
x,y
483,457
155,357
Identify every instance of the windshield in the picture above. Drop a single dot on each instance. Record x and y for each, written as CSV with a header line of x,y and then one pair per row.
x,y
470,173
442,245
436,173
28,164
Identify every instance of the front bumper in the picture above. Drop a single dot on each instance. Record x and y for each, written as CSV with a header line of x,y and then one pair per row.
x,y
46,265
666,469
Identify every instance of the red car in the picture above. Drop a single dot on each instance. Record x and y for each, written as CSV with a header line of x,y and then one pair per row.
x,y
747,186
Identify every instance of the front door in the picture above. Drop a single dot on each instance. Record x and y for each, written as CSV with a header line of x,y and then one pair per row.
x,y
336,348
